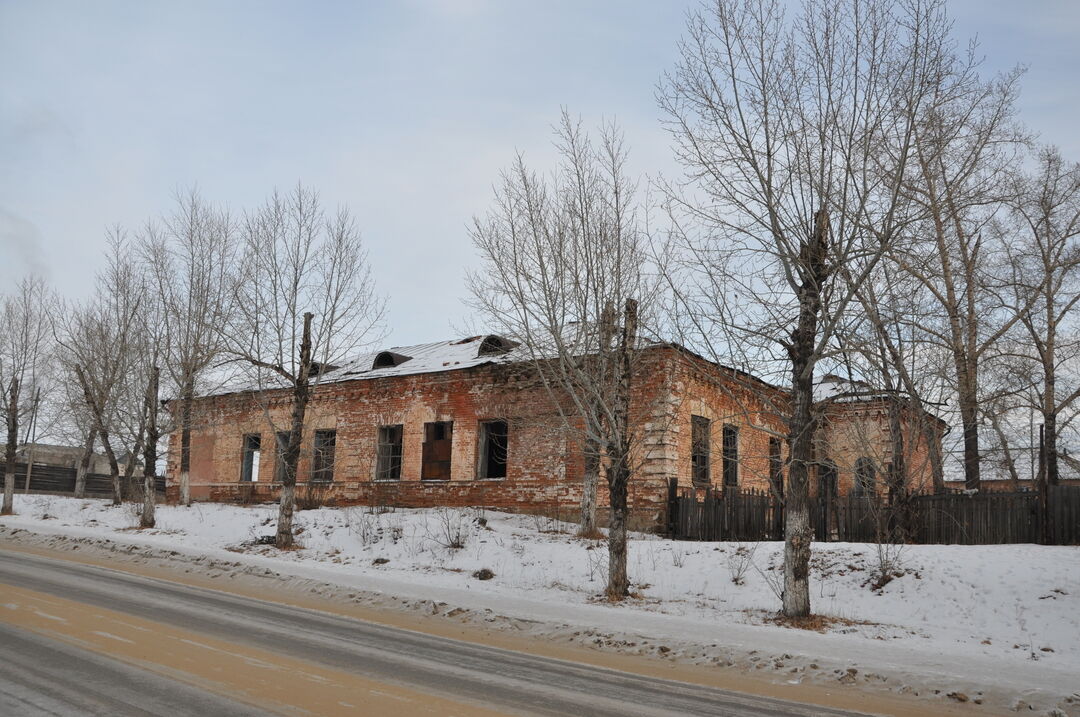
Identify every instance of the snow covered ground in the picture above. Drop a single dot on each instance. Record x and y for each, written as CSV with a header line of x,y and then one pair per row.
x,y
997,624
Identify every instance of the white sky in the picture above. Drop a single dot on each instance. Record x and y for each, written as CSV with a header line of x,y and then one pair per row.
x,y
405,111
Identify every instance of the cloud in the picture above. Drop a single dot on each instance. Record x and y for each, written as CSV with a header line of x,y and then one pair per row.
x,y
20,239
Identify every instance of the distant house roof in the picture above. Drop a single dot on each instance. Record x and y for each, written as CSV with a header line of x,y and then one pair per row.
x,y
49,448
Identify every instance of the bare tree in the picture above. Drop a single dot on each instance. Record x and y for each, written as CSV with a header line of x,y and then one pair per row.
x,y
304,301
190,256
98,345
562,256
151,346
965,146
795,136
150,448
73,420
1045,263
25,349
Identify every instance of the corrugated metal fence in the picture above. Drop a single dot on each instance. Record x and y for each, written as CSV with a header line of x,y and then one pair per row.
x,y
56,479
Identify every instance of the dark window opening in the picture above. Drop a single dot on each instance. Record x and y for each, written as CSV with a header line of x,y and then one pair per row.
x,y
281,444
494,439
388,466
322,458
699,449
249,466
776,467
438,447
865,476
731,455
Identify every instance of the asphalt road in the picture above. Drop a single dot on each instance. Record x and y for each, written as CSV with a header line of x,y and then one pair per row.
x,y
31,666
41,676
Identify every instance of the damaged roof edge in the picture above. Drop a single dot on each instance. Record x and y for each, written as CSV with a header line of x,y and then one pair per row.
x,y
470,352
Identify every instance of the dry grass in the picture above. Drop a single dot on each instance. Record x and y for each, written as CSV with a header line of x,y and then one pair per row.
x,y
815,623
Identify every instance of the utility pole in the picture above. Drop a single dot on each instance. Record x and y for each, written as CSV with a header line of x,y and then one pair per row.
x,y
31,439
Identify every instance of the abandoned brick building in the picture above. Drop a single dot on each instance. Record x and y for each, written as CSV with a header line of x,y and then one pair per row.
x,y
462,423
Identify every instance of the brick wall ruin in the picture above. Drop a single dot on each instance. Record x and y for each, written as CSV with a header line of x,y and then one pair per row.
x,y
543,467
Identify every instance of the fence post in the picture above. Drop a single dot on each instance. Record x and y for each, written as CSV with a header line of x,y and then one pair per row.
x,y
1044,523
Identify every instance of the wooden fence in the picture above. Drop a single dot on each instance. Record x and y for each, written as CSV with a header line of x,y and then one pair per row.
x,y
742,515
59,480
976,519
1064,514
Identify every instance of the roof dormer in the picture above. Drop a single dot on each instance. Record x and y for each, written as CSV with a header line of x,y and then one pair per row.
x,y
388,359
493,345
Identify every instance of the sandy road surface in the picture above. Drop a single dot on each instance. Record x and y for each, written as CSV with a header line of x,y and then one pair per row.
x,y
269,656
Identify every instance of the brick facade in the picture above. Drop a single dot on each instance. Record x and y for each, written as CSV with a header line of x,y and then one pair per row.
x,y
543,459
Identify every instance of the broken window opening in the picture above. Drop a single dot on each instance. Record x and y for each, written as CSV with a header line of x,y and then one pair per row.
x,y
388,463
731,455
494,440
249,466
699,449
865,476
281,444
438,448
322,463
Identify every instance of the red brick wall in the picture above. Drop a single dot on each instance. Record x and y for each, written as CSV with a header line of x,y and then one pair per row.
x,y
850,431
544,460
725,398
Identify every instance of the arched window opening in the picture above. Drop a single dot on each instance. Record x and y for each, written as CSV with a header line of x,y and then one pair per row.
x,y
865,476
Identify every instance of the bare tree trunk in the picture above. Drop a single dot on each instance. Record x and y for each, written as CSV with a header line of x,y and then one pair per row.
x,y
618,474
1045,529
898,478
937,463
187,398
898,524
9,453
1050,446
588,491
84,464
797,530
114,468
969,418
31,439
1003,439
803,423
301,395
146,519
618,585
136,449
608,329
103,433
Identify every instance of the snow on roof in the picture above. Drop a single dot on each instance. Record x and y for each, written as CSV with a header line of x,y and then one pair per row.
x,y
836,388
427,358
493,349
